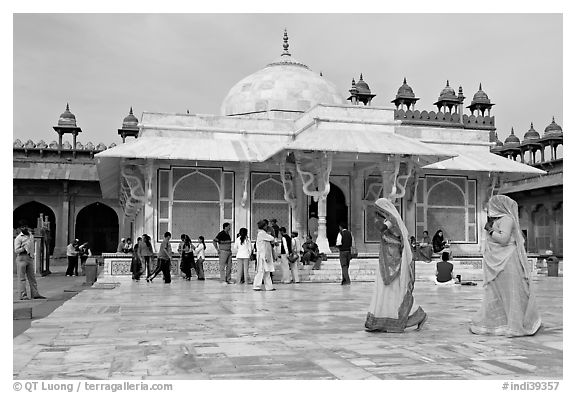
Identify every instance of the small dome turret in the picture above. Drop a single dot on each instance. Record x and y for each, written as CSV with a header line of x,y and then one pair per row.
x,y
512,139
53,145
66,146
362,86
29,144
532,134
447,93
405,91
79,146
130,121
67,119
480,97
112,145
89,146
18,144
101,146
553,128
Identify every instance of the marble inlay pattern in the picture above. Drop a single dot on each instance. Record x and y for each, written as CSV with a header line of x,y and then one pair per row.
x,y
209,330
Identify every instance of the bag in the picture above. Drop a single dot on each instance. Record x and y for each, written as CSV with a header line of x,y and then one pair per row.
x,y
293,256
354,252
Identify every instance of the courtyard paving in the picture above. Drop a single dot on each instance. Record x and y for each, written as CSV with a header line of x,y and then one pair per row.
x,y
308,331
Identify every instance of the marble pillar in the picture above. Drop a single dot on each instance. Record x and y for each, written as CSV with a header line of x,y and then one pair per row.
x,y
322,239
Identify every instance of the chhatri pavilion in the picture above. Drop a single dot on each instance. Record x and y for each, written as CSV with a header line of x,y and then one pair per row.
x,y
287,143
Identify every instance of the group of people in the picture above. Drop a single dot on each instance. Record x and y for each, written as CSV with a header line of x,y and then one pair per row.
x,y
74,252
143,253
272,243
424,250
508,306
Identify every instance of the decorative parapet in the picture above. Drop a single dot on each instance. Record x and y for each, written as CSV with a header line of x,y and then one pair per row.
x,y
444,119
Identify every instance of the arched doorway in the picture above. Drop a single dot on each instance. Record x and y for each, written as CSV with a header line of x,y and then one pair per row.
x,y
336,212
97,224
30,212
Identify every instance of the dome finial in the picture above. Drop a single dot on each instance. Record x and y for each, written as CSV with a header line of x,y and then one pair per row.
x,y
553,121
67,107
404,80
512,131
480,88
361,77
131,111
286,45
447,83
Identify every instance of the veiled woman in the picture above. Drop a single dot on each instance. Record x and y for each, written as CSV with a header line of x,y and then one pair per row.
x,y
392,305
509,305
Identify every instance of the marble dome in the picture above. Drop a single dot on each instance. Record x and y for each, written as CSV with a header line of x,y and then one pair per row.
x,y
283,86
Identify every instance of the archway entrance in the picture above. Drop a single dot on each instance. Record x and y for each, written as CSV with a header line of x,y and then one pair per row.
x,y
336,212
97,224
31,212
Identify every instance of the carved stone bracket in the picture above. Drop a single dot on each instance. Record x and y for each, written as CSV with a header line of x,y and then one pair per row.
x,y
132,194
315,180
288,183
399,182
246,178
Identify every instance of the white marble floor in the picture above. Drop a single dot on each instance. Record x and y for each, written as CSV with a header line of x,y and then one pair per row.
x,y
206,330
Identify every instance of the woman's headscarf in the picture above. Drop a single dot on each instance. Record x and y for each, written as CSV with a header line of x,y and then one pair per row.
x,y
500,206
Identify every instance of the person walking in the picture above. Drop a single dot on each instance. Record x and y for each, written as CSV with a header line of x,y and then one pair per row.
x,y
344,244
164,256
243,247
199,265
72,255
289,268
509,304
187,255
223,245
264,261
24,249
146,253
136,265
392,301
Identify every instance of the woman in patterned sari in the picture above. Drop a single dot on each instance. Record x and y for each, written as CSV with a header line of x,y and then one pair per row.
x,y
509,305
392,302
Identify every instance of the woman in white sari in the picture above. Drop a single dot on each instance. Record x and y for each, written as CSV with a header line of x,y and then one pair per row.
x,y
509,305
392,302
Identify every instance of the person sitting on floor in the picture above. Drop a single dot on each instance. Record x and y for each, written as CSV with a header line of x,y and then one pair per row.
x,y
438,242
311,253
444,271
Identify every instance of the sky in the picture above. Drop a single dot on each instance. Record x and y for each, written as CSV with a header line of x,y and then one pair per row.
x,y
103,64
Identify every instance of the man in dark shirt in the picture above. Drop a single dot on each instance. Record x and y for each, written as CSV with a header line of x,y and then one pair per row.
x,y
274,225
223,244
344,244
444,270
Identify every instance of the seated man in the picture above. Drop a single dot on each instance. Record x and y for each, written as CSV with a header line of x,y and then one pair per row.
x,y
311,253
444,271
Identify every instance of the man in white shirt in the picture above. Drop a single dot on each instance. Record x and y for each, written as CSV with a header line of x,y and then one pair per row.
x,y
24,249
